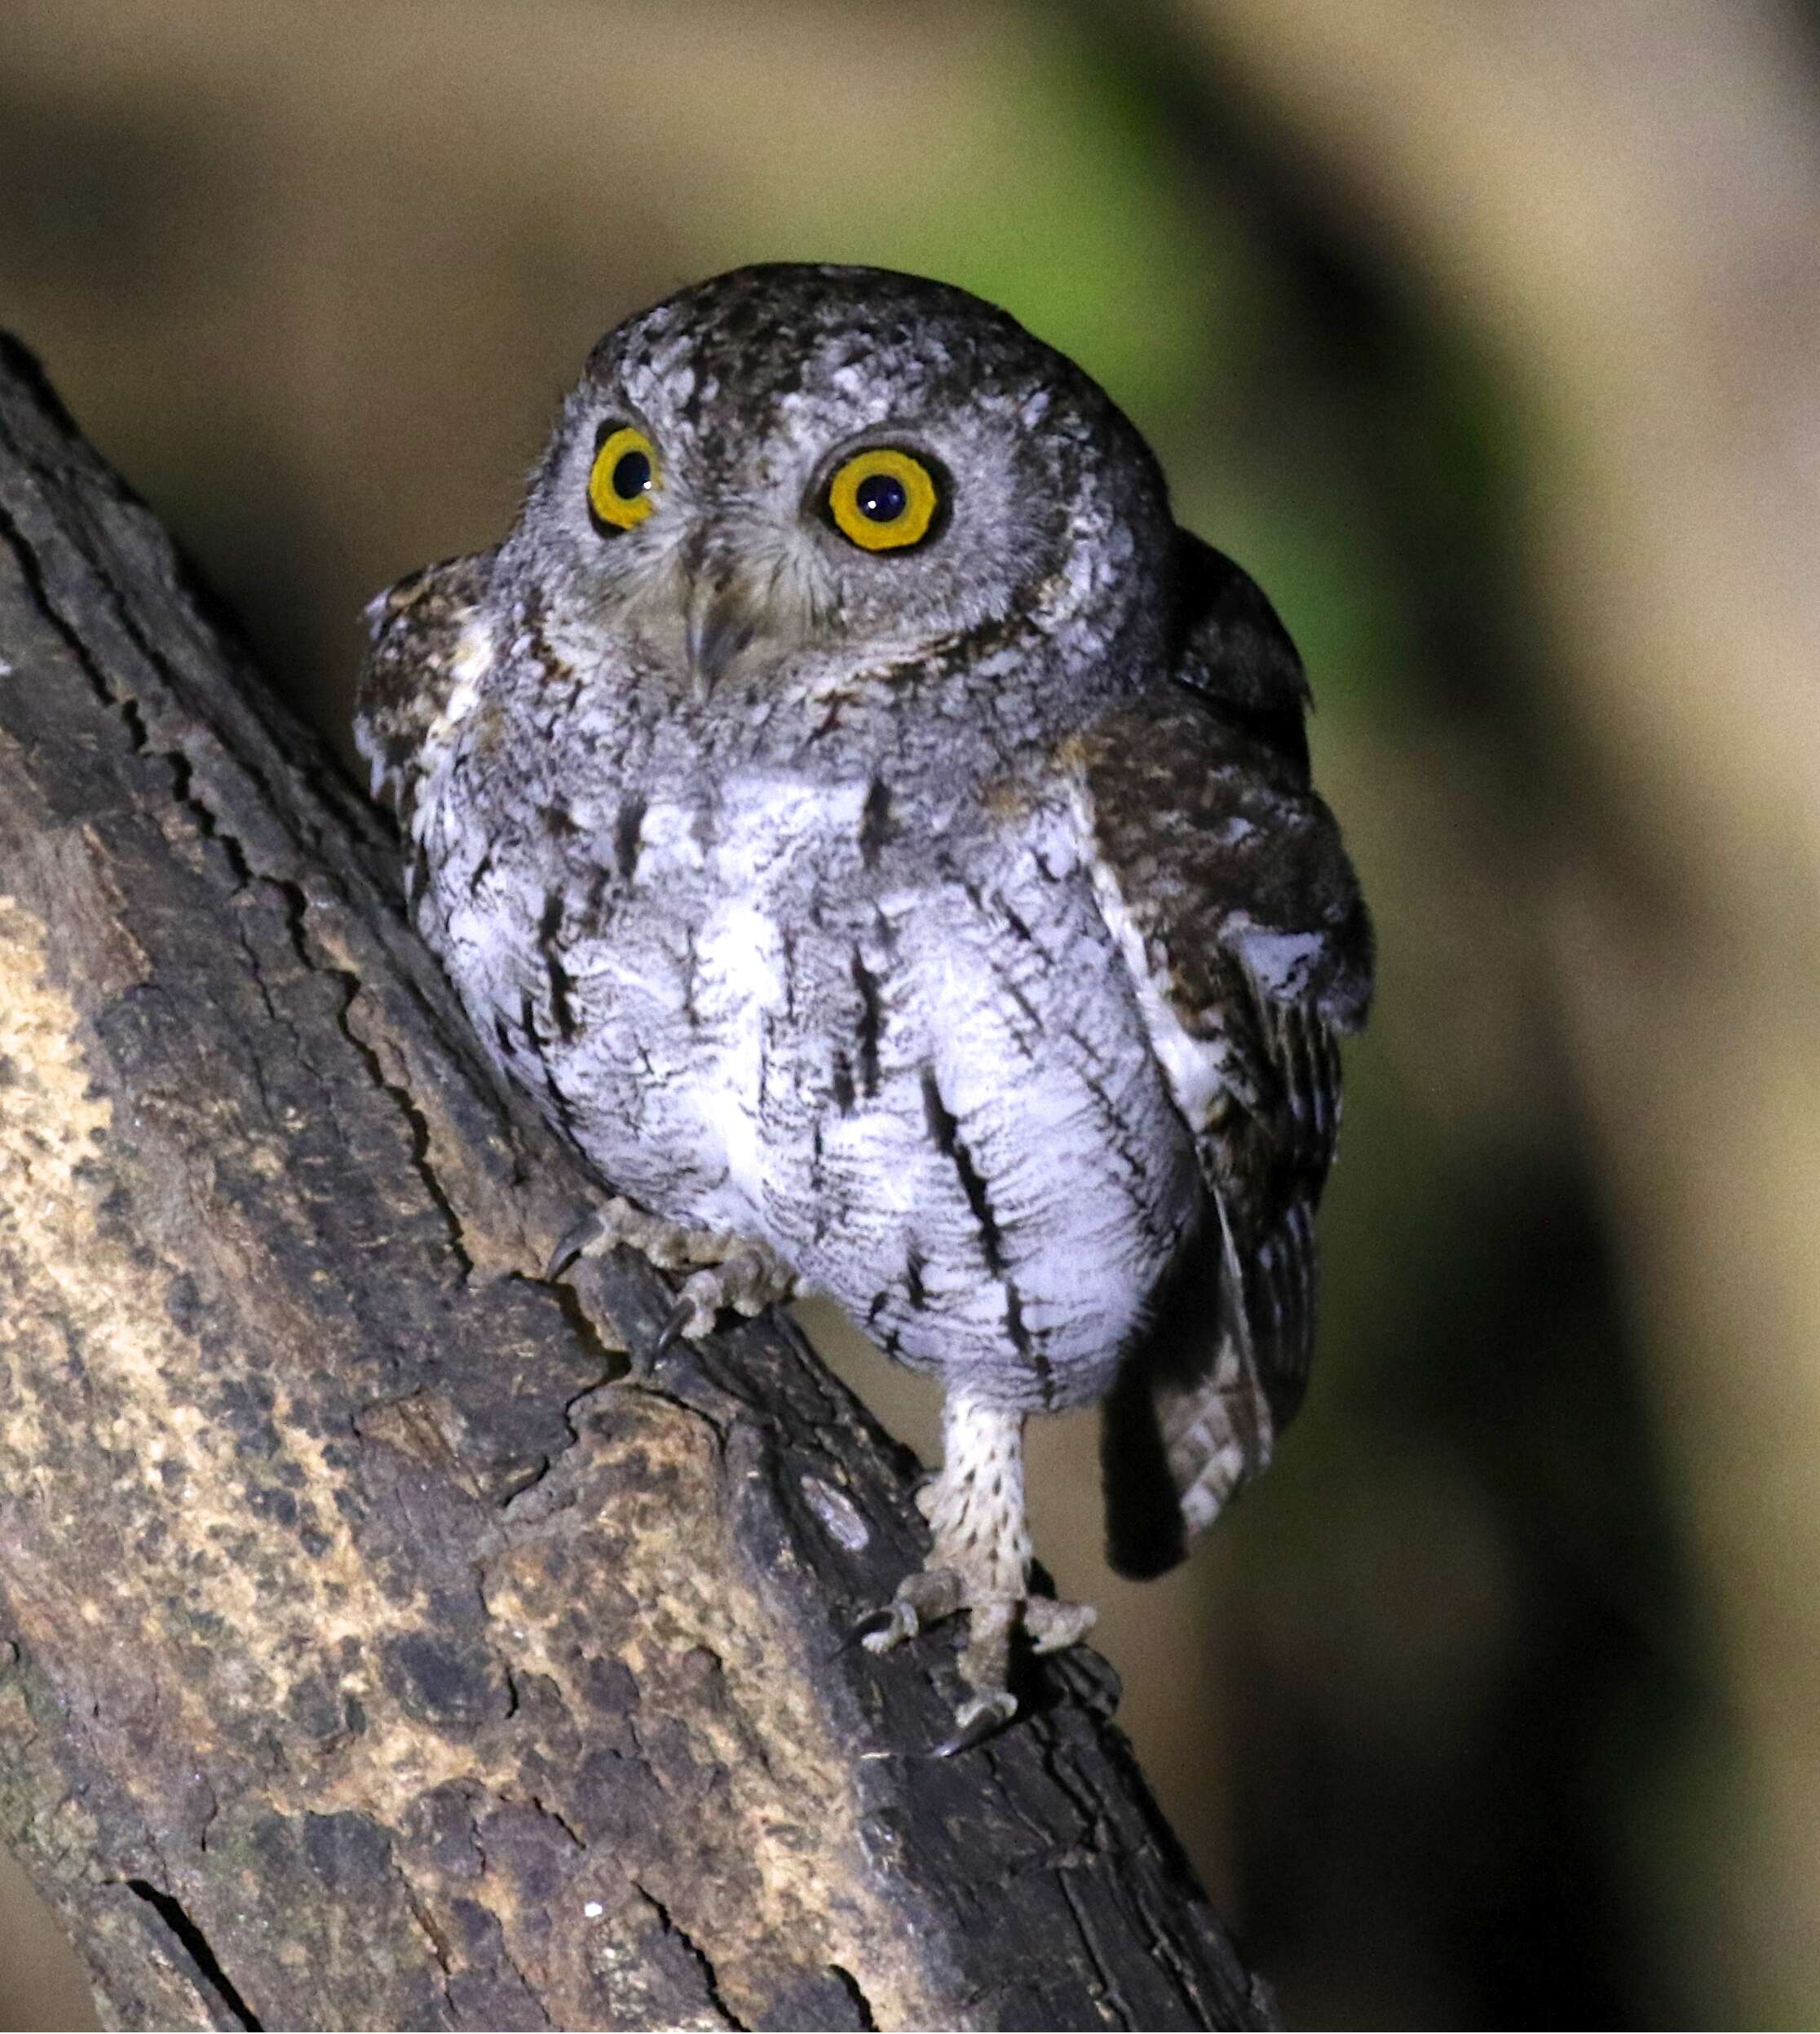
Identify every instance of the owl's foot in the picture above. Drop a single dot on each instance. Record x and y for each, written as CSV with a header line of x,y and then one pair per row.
x,y
749,1278
668,1245
725,1272
979,1564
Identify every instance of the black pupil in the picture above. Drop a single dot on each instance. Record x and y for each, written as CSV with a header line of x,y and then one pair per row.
x,y
631,474
880,497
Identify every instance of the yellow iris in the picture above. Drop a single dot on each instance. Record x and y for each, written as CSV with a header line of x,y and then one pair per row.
x,y
883,499
623,485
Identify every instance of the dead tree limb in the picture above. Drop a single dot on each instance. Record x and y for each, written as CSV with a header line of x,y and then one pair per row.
x,y
369,1658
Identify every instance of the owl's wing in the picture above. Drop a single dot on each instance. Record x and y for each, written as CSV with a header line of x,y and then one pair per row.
x,y
1221,875
425,639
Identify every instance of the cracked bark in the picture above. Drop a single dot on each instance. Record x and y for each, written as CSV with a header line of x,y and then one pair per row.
x,y
369,1656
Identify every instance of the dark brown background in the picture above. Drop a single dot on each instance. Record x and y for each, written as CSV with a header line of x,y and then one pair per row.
x,y
1485,335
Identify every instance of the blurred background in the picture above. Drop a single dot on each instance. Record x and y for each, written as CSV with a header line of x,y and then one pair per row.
x,y
1486,336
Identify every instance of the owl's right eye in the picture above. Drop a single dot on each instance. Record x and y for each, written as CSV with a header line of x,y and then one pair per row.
x,y
622,486
887,499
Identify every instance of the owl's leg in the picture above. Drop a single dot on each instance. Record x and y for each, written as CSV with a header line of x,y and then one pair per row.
x,y
724,1270
979,1562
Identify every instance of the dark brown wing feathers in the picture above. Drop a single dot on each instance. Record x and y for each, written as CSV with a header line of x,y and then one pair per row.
x,y
1231,873
415,630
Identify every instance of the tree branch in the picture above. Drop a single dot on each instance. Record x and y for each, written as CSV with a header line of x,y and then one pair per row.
x,y
372,1656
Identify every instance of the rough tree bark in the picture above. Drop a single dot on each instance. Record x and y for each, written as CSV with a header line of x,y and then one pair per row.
x,y
369,1655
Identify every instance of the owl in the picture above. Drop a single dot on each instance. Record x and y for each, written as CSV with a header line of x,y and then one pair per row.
x,y
883,843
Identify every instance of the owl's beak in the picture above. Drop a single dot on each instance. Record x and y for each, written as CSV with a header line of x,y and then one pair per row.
x,y
720,619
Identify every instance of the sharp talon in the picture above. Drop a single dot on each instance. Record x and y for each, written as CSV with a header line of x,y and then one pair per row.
x,y
891,1625
574,1242
680,1316
984,1717
875,1621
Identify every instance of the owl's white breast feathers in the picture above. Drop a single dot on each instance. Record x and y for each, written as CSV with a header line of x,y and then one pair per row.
x,y
738,983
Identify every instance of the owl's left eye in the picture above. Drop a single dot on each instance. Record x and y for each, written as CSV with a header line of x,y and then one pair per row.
x,y
623,484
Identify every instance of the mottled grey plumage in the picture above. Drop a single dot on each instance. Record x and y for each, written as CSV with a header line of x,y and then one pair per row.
x,y
957,922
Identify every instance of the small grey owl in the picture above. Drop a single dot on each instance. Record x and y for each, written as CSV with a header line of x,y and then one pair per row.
x,y
883,842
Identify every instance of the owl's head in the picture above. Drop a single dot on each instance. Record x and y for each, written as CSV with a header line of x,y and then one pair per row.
x,y
793,463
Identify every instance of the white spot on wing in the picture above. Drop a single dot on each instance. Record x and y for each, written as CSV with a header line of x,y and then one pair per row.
x,y
468,667
1281,963
1195,1068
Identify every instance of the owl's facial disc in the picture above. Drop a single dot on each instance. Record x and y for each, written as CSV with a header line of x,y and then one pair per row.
x,y
739,566
824,479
